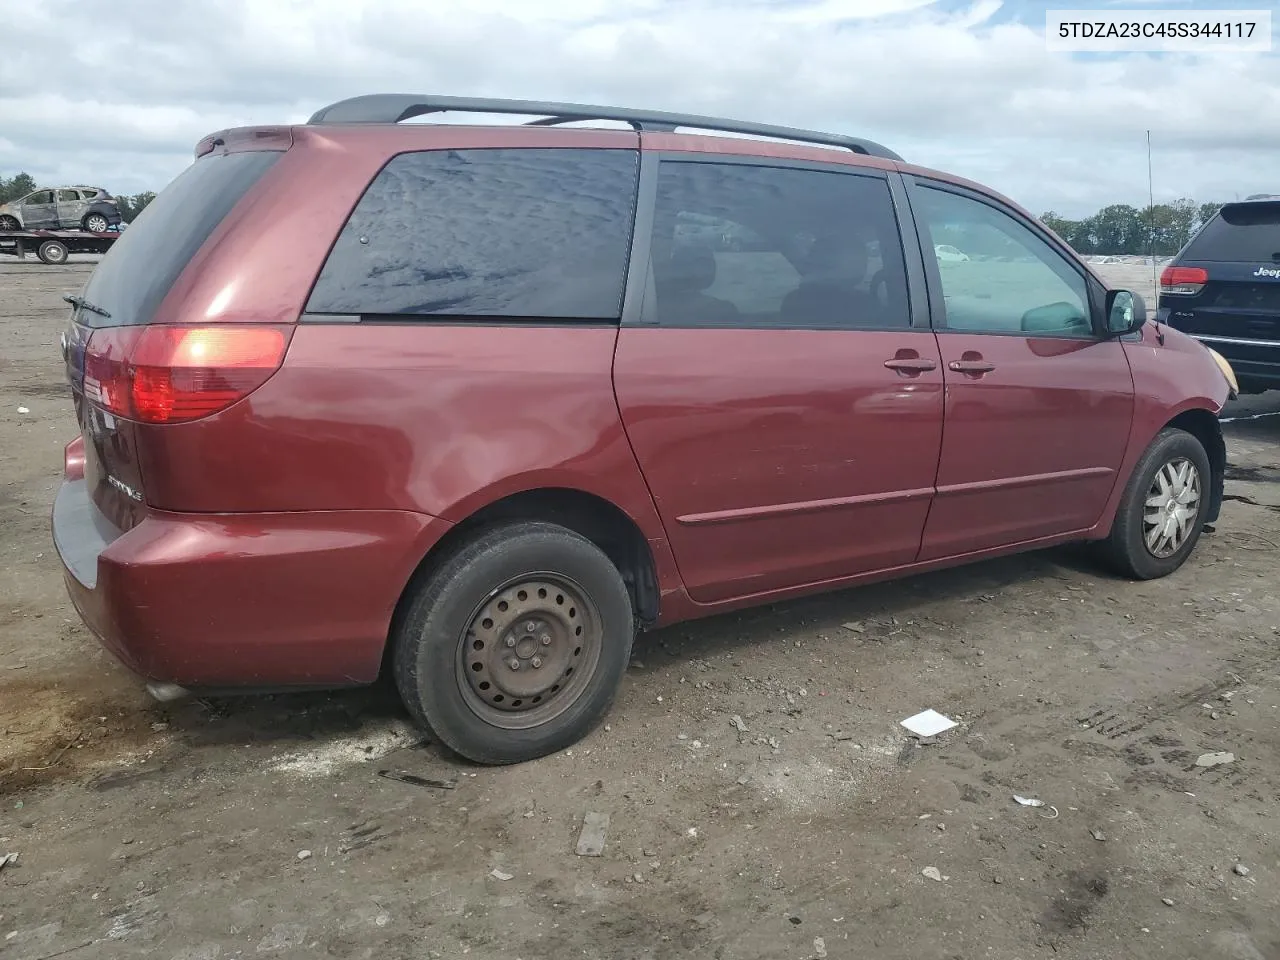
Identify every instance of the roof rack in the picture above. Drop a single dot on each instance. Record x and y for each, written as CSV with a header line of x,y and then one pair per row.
x,y
396,107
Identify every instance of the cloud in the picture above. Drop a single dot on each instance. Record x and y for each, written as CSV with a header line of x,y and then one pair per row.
x,y
964,86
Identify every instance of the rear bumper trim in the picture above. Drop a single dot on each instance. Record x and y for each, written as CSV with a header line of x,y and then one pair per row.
x,y
80,532
1237,341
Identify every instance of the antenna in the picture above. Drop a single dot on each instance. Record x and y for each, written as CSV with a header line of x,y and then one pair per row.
x,y
1151,215
1151,238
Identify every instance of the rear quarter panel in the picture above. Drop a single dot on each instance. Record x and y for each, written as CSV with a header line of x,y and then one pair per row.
x,y
384,416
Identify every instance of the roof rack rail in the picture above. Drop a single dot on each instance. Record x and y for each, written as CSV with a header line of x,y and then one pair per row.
x,y
396,107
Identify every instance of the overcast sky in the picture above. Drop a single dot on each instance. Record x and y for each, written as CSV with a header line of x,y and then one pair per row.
x,y
117,92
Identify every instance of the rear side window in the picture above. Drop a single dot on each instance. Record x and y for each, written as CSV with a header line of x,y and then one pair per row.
x,y
143,264
1239,232
758,246
514,233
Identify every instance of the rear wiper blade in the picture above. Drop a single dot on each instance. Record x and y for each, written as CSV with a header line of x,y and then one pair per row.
x,y
84,304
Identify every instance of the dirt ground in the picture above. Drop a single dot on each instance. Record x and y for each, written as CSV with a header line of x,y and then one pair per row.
x,y
762,799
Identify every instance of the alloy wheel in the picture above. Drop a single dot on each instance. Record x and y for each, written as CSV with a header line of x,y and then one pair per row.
x,y
1171,508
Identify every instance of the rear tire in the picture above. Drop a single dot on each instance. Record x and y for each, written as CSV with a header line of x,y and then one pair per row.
x,y
515,645
1162,511
52,252
96,223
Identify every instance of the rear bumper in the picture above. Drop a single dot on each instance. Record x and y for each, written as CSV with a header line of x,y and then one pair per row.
x,y
241,600
1252,360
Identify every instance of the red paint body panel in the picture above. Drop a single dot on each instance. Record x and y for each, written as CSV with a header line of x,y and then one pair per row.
x,y
73,460
278,535
1170,379
1031,448
768,463
385,417
254,599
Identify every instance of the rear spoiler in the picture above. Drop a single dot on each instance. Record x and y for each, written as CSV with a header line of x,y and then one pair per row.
x,y
240,139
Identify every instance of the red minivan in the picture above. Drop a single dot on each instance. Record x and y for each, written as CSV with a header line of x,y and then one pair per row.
x,y
481,402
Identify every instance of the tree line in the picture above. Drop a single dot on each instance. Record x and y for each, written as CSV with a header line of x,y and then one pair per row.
x,y
1121,228
1118,228
19,186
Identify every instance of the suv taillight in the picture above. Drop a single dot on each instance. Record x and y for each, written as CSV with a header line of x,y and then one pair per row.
x,y
1183,281
171,374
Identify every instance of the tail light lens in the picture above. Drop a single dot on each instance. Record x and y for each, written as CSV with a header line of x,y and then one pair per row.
x,y
171,374
1183,281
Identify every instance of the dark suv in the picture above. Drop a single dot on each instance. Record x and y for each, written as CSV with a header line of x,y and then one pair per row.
x,y
1223,288
476,403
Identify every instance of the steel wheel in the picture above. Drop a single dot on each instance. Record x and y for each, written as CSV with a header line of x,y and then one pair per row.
x,y
52,252
529,651
1172,505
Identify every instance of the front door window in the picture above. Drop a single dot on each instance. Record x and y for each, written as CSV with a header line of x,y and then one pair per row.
x,y
997,275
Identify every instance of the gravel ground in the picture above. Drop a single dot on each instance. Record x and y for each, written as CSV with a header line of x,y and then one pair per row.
x,y
762,799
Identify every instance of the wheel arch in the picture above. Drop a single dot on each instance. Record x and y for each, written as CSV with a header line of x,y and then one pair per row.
x,y
589,515
1205,426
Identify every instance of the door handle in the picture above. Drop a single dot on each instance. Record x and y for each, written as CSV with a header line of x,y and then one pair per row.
x,y
971,366
910,364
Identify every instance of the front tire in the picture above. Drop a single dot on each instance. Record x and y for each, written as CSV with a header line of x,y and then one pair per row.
x,y
1162,512
515,645
9,223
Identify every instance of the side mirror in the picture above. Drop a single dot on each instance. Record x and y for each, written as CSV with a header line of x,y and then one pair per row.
x,y
1126,312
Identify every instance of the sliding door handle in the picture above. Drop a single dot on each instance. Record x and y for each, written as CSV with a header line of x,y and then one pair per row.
x,y
971,366
911,364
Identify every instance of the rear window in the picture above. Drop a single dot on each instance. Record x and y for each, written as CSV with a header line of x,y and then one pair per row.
x,y
1240,232
516,233
144,263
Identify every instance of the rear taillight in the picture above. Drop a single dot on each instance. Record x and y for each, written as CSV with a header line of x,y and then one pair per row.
x,y
171,374
1183,281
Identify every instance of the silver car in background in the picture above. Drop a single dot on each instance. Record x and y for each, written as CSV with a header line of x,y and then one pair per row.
x,y
62,208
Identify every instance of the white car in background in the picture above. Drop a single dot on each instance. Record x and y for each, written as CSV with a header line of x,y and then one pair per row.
x,y
945,251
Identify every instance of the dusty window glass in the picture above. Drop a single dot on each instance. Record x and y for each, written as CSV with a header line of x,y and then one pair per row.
x,y
534,233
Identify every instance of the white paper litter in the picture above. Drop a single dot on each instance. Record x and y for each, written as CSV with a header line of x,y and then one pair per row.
x,y
932,873
23,410
1215,759
500,874
1028,801
930,723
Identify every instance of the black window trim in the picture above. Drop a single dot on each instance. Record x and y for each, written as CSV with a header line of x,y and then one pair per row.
x,y
1094,291
487,320
640,281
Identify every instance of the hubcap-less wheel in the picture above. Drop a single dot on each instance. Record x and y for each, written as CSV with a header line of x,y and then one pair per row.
x,y
529,652
52,252
1172,505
